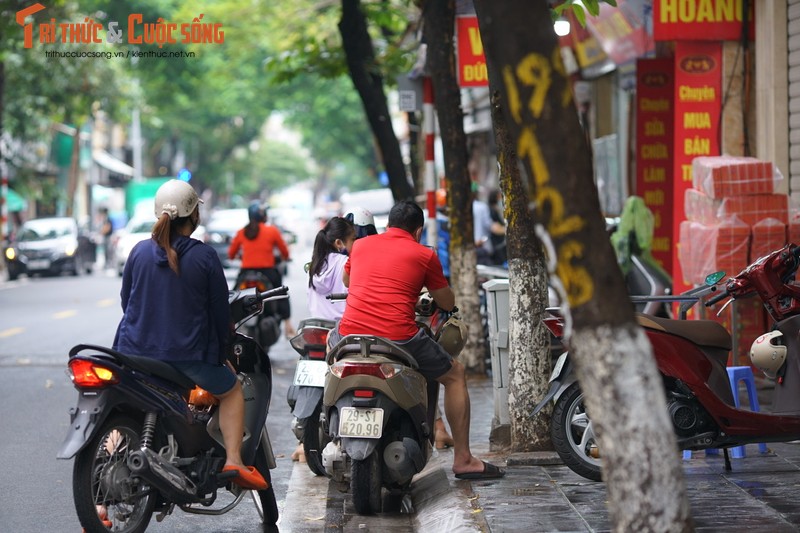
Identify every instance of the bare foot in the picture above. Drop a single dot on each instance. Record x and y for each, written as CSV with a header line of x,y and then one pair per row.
x,y
298,454
443,440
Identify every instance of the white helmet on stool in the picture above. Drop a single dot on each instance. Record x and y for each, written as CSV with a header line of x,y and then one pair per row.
x,y
768,354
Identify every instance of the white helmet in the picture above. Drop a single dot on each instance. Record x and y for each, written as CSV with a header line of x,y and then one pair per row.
x,y
363,221
176,198
767,353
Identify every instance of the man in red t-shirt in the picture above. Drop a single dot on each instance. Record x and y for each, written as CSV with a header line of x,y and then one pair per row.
x,y
384,275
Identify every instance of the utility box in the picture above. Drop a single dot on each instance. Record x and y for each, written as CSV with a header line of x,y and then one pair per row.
x,y
497,308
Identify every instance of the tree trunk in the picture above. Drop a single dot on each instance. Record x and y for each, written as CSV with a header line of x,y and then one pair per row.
x,y
612,356
74,169
439,24
528,338
369,84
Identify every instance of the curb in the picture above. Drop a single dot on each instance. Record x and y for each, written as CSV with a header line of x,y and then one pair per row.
x,y
534,459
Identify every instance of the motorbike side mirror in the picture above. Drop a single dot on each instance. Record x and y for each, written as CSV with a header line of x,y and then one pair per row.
x,y
713,279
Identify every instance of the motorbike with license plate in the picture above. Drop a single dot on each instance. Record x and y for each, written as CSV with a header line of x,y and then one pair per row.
x,y
305,393
691,356
145,440
379,413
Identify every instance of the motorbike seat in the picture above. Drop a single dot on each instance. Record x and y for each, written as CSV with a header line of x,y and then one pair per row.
x,y
701,332
156,368
368,344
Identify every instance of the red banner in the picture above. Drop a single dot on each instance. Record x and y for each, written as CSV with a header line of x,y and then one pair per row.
x,y
704,20
698,106
472,70
654,149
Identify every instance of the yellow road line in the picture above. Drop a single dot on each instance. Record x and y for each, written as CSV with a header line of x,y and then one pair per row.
x,y
11,332
108,302
65,314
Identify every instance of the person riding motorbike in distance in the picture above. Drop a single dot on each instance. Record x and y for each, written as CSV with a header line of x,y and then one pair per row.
x,y
175,309
257,242
385,275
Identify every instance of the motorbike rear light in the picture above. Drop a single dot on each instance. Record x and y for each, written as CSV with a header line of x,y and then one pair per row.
x,y
342,369
316,354
314,341
260,287
89,375
555,325
363,393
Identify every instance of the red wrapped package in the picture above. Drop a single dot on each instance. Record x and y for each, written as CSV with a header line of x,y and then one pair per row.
x,y
721,176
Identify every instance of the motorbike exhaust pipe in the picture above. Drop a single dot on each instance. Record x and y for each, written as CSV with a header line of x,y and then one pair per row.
x,y
403,459
164,477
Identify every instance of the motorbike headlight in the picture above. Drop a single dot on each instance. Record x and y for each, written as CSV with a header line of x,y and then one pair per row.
x,y
11,254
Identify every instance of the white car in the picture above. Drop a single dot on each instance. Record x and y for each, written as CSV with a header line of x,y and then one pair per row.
x,y
135,231
125,239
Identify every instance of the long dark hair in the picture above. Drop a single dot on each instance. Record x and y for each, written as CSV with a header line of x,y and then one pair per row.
x,y
164,231
336,228
257,214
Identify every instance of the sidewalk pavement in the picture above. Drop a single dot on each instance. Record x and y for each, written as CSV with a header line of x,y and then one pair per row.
x,y
540,494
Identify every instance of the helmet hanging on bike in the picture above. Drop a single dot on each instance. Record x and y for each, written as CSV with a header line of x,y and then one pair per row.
x,y
452,336
363,221
176,198
768,353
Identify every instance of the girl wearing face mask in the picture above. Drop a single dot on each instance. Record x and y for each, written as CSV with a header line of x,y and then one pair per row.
x,y
331,246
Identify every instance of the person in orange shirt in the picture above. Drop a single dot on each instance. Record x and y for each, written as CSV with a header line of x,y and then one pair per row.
x,y
257,242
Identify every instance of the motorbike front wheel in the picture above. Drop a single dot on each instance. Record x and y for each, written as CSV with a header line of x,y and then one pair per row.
x,y
106,495
365,484
265,502
573,436
314,441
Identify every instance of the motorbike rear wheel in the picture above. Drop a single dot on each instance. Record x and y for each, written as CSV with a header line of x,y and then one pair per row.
x,y
266,503
102,483
314,441
365,484
573,436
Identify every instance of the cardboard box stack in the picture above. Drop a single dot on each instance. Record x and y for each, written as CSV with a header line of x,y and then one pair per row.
x,y
734,216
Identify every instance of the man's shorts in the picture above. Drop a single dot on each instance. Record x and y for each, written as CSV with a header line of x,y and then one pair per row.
x,y
432,359
216,379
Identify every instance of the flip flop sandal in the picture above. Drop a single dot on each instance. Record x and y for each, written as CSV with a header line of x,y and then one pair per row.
x,y
490,471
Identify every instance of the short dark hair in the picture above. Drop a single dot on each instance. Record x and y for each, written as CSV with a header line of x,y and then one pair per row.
x,y
406,215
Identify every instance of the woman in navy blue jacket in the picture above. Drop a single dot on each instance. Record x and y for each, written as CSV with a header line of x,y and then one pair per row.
x,y
175,309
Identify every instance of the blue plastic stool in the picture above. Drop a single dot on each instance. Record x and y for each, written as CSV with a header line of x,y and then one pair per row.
x,y
744,374
735,375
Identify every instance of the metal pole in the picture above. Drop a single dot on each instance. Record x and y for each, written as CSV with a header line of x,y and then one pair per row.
x,y
4,230
430,168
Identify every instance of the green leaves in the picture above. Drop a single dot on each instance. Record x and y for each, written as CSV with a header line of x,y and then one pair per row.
x,y
580,7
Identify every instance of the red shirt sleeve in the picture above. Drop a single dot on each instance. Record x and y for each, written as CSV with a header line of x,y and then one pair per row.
x,y
236,243
434,276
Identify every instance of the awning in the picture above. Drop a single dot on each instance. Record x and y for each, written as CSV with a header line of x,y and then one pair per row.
x,y
15,202
108,161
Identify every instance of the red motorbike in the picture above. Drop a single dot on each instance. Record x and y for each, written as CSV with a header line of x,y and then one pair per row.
x,y
691,356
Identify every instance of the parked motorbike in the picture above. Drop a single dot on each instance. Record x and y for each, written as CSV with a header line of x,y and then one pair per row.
x,y
264,327
146,440
379,414
691,356
305,394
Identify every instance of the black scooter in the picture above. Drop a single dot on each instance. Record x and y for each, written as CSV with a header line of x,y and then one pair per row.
x,y
305,394
145,440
